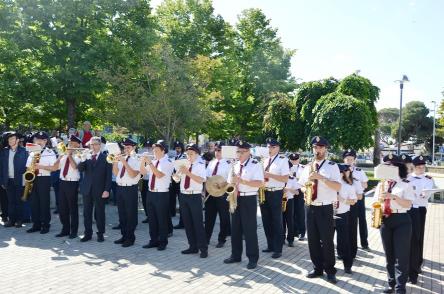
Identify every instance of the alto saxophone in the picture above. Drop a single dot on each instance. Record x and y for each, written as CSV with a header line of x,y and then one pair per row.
x,y
308,195
261,195
29,176
377,212
284,203
232,193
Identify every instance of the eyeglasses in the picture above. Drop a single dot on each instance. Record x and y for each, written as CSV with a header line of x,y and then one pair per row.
x,y
241,152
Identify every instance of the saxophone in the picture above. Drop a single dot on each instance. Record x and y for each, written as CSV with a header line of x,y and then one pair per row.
x,y
261,194
377,212
284,203
232,192
308,195
29,176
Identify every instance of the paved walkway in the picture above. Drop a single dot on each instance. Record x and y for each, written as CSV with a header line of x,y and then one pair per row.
x,y
34,263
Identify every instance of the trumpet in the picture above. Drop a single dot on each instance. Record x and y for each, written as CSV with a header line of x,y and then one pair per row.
x,y
63,149
177,175
112,158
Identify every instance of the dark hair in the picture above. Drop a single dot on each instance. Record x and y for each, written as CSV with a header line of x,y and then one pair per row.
x,y
349,179
402,169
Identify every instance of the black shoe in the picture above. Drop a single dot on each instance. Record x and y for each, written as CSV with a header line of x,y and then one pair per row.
x,y
18,224
220,244
314,274
413,281
170,235
8,224
348,270
178,227
204,254
116,227
150,245
388,290
145,221
33,230
85,238
276,255
267,250
231,260
27,221
290,244
73,236
62,234
251,265
120,241
332,278
301,238
366,248
190,251
162,247
128,243
44,231
100,238
56,211
339,257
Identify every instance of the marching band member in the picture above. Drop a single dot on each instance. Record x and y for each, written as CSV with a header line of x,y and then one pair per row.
x,y
159,172
175,187
40,201
357,211
190,201
290,190
68,190
420,181
325,176
218,205
126,170
13,165
248,177
145,185
298,202
396,228
347,197
276,173
95,188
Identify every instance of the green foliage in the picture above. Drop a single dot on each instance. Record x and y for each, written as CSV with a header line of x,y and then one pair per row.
x,y
387,120
415,124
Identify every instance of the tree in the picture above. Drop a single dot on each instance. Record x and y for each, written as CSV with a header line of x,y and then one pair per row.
x,y
416,125
387,119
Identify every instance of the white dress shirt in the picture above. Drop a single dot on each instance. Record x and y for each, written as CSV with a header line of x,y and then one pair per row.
x,y
402,189
126,180
421,183
73,174
223,169
330,171
11,163
291,184
166,167
252,170
47,158
278,166
199,170
296,172
347,192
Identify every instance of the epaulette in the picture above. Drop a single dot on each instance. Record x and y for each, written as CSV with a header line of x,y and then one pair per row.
x,y
406,181
355,179
228,161
281,156
169,160
201,162
254,161
291,178
428,177
332,162
358,169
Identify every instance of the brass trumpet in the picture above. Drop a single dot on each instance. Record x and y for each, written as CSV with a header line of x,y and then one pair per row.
x,y
112,158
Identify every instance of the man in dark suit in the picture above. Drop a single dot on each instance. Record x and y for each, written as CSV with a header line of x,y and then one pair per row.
x,y
13,166
95,188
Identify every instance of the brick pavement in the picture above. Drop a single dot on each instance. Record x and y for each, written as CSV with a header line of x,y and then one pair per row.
x,y
34,263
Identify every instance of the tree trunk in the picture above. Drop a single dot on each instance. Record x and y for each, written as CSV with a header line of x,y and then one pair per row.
x,y
377,149
71,108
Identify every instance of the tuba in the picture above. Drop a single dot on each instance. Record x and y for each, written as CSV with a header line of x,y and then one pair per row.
x,y
29,176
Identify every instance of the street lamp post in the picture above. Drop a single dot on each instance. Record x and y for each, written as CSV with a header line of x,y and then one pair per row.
x,y
433,140
401,87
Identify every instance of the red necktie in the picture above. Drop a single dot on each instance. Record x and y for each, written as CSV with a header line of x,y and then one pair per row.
x,y
240,175
94,158
315,186
186,185
215,169
153,178
387,208
267,168
66,167
122,172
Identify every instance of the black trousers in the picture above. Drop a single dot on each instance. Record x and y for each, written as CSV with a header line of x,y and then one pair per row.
x,y
320,231
396,234
3,203
271,211
15,204
299,214
363,230
40,202
244,223
94,201
191,211
68,206
343,239
127,204
174,193
158,215
353,229
288,224
422,220
144,194
213,207
415,244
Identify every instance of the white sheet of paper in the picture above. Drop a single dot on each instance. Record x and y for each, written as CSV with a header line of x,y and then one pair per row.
x,y
260,151
229,152
113,148
386,172
31,147
180,162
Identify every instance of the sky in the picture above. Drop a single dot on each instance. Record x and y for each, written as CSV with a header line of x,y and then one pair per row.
x,y
382,39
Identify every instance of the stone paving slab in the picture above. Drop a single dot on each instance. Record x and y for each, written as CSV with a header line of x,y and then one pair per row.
x,y
34,263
